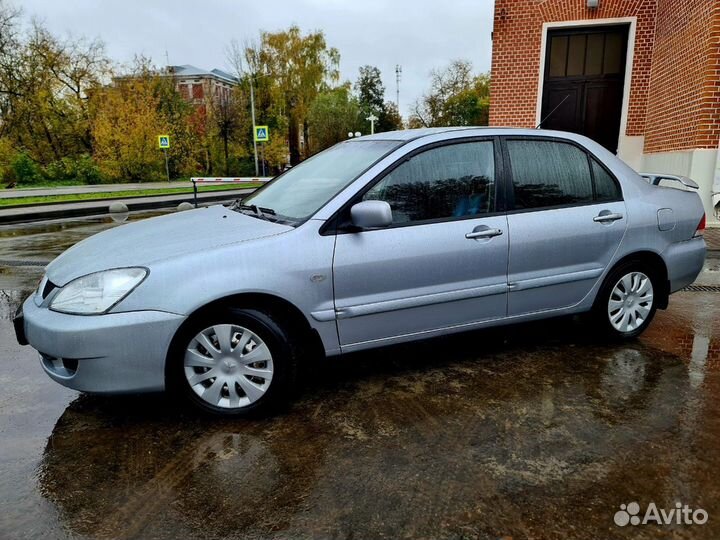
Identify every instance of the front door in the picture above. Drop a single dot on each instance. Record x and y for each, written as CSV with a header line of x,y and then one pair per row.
x,y
584,79
443,261
566,218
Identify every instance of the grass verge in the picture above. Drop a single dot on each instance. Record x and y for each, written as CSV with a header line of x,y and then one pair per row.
x,y
80,197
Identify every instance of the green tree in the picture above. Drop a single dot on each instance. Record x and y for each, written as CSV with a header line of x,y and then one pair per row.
x,y
371,95
456,98
332,115
389,118
370,89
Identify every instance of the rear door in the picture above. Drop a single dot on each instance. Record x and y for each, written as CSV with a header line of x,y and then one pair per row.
x,y
443,261
566,218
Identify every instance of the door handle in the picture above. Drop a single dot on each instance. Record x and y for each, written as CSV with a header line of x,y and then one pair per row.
x,y
483,232
603,218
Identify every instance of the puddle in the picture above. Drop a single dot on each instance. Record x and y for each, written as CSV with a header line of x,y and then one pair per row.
x,y
48,239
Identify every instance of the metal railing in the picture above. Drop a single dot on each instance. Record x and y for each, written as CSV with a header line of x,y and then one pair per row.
x,y
221,180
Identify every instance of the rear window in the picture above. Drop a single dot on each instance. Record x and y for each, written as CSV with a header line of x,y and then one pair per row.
x,y
549,173
606,187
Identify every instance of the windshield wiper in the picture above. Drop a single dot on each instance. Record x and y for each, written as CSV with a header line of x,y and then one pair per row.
x,y
258,211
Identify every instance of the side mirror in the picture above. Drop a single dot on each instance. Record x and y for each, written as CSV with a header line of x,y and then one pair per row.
x,y
371,214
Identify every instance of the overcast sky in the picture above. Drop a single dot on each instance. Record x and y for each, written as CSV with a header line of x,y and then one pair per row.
x,y
417,34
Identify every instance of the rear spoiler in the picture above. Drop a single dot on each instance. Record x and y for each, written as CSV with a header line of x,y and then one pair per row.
x,y
655,178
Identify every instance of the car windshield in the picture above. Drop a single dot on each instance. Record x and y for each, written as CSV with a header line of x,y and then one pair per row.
x,y
304,189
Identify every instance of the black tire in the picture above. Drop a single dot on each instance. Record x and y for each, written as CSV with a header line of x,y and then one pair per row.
x,y
279,339
600,314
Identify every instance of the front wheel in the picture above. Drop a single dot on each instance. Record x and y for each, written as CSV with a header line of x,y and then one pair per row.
x,y
626,303
236,362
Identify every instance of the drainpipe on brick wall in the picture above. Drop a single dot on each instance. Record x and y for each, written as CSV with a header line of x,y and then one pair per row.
x,y
716,186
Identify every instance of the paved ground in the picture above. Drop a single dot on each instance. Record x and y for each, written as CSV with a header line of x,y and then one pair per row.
x,y
536,431
712,237
100,188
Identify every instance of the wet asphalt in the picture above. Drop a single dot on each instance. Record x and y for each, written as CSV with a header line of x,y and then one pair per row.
x,y
533,431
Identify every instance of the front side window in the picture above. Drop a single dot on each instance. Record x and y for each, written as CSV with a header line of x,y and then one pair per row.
x,y
453,181
307,187
549,173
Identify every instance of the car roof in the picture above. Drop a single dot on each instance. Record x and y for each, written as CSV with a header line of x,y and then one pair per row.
x,y
406,135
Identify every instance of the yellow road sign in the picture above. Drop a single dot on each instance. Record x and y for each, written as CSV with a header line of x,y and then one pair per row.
x,y
262,134
163,141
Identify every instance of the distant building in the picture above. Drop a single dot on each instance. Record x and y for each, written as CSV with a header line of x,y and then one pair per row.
x,y
641,77
199,85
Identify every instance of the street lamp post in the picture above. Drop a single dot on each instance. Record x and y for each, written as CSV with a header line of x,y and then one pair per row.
x,y
235,56
372,119
252,116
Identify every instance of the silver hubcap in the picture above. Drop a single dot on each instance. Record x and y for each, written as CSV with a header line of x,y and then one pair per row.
x,y
228,366
630,302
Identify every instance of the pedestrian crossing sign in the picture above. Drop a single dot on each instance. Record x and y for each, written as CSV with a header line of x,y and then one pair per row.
x,y
163,141
262,134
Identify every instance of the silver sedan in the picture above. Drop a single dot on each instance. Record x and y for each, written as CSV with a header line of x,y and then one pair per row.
x,y
383,239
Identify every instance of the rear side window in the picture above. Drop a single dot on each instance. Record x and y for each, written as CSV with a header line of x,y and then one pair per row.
x,y
446,182
606,187
549,173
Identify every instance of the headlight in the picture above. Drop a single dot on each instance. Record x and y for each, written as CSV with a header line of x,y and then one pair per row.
x,y
97,293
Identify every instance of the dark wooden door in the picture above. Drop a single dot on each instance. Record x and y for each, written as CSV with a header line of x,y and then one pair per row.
x,y
584,80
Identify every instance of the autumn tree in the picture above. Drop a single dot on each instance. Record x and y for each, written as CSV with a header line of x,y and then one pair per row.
x,y
9,45
45,83
254,90
230,121
127,118
295,68
457,97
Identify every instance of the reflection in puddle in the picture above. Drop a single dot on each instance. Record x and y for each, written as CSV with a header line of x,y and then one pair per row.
x,y
119,217
625,374
47,239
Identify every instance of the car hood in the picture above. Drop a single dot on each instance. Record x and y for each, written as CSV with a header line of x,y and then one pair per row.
x,y
143,242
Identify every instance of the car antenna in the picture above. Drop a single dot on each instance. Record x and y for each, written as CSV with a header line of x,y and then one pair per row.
x,y
551,112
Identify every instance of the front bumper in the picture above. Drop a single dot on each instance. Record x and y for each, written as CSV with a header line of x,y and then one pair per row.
x,y
113,353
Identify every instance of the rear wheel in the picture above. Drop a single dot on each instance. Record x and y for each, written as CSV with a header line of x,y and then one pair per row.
x,y
627,303
236,362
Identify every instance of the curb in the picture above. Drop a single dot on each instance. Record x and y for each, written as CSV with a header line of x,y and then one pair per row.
x,y
121,198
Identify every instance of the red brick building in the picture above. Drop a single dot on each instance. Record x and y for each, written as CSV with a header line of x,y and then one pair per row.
x,y
641,77
199,86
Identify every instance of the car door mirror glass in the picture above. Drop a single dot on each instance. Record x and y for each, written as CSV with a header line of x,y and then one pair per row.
x,y
371,214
